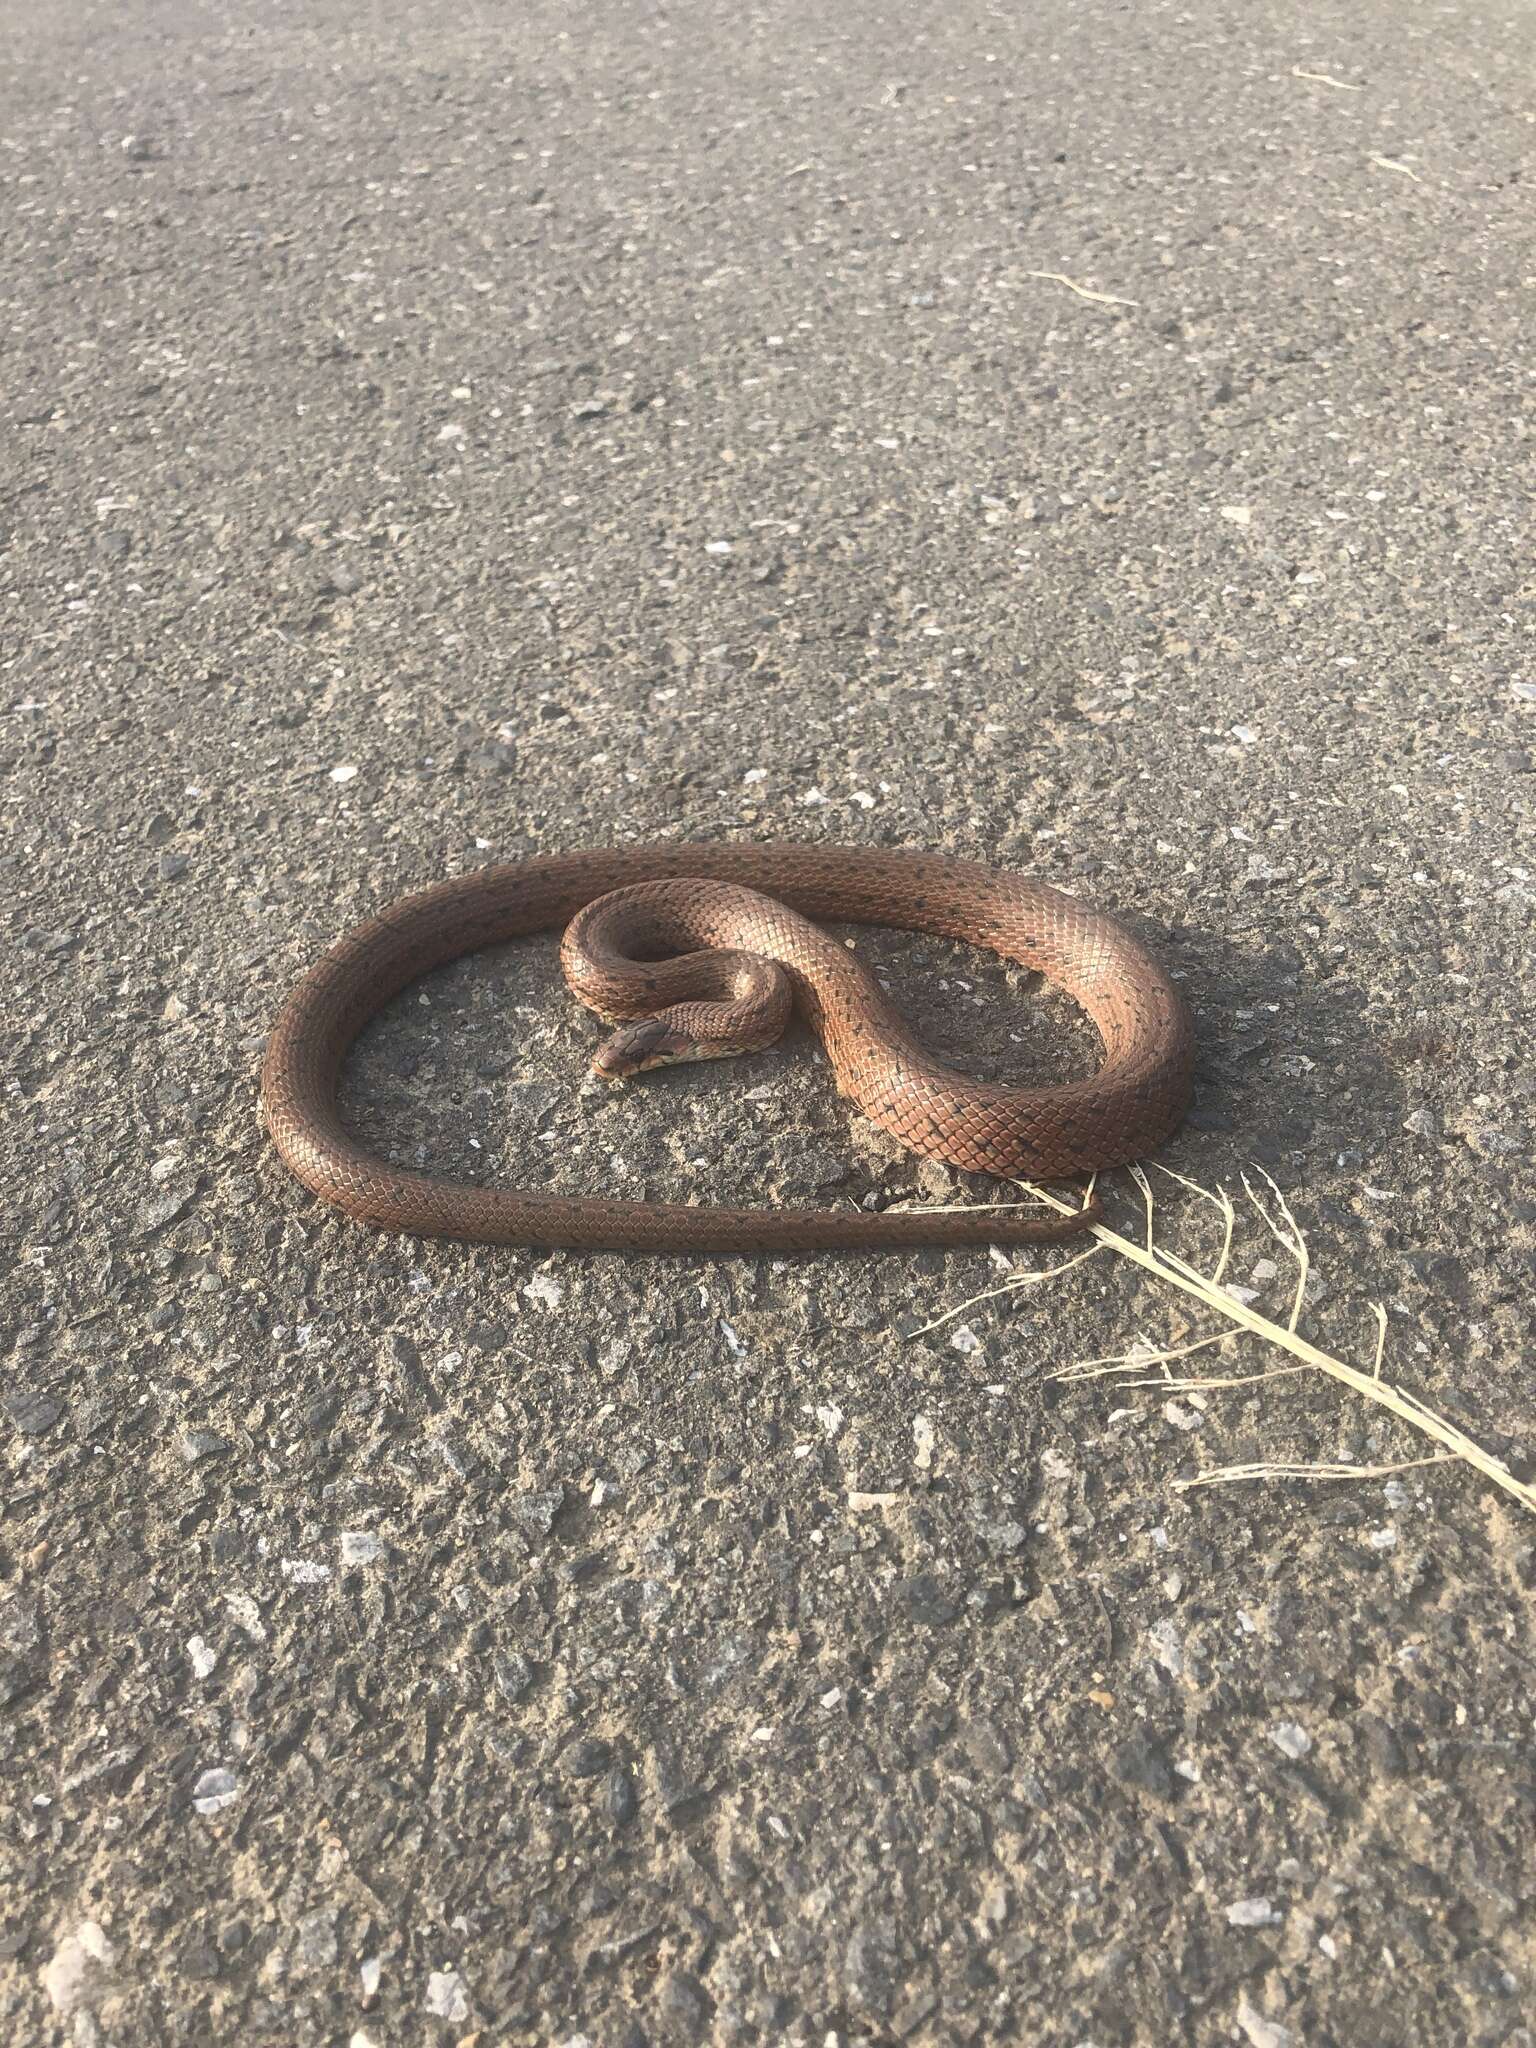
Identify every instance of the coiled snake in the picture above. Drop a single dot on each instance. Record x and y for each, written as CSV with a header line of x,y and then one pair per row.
x,y
1137,1097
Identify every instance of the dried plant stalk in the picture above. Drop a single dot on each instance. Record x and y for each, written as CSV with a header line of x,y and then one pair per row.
x,y
1082,290
1223,1475
1208,1290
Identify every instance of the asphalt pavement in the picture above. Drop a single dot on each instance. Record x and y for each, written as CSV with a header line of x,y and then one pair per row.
x,y
1093,439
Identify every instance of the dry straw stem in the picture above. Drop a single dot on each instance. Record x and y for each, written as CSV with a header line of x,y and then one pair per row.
x,y
1098,298
1208,1290
1324,78
1014,1284
1281,1470
1390,163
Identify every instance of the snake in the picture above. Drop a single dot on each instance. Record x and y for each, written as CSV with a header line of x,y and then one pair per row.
x,y
641,925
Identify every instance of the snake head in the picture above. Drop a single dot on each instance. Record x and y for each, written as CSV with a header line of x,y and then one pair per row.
x,y
637,1047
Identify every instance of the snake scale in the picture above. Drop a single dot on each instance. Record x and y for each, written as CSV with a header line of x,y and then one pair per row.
x,y
1138,1096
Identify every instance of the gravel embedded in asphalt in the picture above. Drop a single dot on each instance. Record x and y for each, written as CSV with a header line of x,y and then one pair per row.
x,y
1086,439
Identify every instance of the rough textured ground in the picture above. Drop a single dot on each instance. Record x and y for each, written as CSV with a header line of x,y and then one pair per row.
x,y
440,433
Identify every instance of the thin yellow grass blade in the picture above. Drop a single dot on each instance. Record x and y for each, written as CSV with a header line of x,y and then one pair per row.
x,y
1221,1201
1225,1475
1099,298
1140,1354
1012,1285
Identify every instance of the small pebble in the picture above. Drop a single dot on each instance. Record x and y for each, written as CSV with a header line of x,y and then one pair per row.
x,y
1259,2031
243,1610
169,1206
447,1996
535,1512
588,1757
215,1790
619,1795
197,1444
304,1571
1290,1739
317,1938
513,1674
73,1972
33,1414
1167,1646
925,1599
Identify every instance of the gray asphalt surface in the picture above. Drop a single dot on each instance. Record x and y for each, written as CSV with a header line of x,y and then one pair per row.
x,y
434,435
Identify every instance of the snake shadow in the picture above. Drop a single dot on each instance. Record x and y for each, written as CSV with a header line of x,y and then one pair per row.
x,y
1287,1070
1291,1074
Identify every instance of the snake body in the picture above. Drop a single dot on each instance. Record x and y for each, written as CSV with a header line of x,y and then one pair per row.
x,y
1138,1096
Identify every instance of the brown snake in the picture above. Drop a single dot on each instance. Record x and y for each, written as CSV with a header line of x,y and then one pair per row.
x,y
1137,1097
